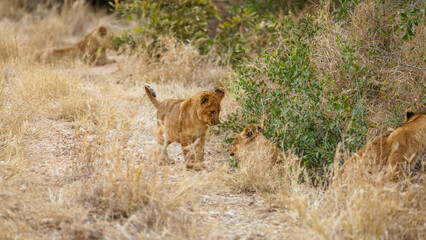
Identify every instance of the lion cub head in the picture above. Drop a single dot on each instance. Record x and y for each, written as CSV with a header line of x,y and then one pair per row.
x,y
251,145
209,106
103,36
243,138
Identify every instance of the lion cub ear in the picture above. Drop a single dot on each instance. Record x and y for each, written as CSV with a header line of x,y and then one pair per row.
x,y
205,98
220,92
260,129
408,115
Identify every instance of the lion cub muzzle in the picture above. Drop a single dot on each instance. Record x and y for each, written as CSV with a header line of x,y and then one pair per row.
x,y
210,106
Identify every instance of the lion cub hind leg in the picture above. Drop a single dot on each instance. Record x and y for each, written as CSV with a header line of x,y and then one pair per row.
x,y
401,159
161,151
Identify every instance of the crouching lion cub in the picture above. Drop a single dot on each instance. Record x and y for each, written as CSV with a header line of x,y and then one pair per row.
x,y
186,122
252,143
403,146
92,49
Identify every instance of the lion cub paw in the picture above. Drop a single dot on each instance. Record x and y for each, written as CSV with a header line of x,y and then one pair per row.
x,y
164,162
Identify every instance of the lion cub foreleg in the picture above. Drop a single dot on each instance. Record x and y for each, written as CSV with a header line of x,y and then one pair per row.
x,y
194,153
102,59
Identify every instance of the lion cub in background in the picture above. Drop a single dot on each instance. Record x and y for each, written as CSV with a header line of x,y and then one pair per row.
x,y
403,146
91,49
186,122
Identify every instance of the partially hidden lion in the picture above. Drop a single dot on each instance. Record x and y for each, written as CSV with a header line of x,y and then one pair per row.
x,y
403,146
91,49
251,143
186,122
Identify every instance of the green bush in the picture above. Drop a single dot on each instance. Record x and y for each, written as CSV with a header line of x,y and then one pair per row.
x,y
245,32
185,19
411,15
273,6
296,103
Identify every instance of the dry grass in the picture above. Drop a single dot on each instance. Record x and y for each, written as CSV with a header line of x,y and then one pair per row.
x,y
257,175
364,204
179,64
360,206
75,159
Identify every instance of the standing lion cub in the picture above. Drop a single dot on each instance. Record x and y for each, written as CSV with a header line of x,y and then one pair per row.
x,y
91,49
186,122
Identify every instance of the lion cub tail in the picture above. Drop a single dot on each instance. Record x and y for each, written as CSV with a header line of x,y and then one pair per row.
x,y
151,95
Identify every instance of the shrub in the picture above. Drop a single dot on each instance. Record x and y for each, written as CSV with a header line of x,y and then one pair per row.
x,y
185,19
411,15
298,104
273,6
245,32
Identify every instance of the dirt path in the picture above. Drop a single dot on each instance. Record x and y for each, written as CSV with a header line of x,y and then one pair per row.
x,y
51,150
242,216
233,215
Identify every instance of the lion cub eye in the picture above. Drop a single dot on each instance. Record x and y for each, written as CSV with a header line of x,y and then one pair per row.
x,y
212,112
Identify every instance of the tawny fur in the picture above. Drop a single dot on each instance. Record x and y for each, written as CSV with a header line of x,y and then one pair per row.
x,y
92,49
252,143
186,122
403,146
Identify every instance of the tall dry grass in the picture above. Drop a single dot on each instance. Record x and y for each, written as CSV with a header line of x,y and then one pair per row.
x,y
360,206
175,63
114,185
363,204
